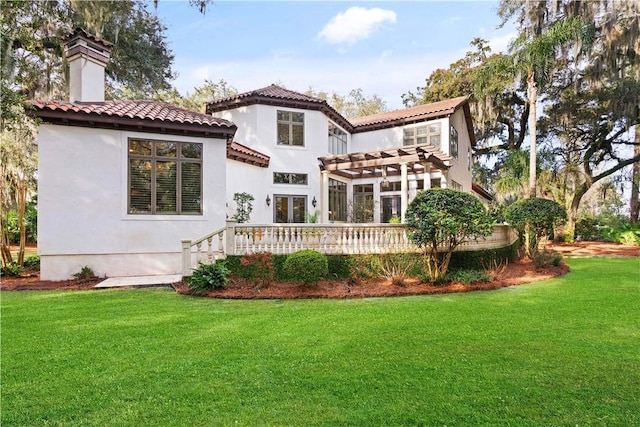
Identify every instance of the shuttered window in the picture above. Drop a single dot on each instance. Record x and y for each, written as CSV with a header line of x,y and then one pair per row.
x,y
165,177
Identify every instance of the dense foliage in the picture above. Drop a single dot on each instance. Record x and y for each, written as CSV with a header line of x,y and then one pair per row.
x,y
209,276
306,266
440,220
533,219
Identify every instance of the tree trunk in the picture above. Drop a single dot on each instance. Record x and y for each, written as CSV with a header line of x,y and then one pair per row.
x,y
21,199
634,206
532,98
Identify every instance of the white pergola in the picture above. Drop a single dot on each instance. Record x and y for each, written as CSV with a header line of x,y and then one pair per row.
x,y
420,160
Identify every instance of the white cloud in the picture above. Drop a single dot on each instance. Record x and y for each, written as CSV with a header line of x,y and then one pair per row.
x,y
379,74
501,43
355,24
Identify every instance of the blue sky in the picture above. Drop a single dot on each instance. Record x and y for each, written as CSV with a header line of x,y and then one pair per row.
x,y
384,48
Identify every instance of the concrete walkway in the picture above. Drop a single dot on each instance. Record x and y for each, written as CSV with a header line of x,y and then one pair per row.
x,y
139,281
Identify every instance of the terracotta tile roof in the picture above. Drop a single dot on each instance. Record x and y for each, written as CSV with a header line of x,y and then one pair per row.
x,y
416,114
281,97
242,153
82,32
482,192
435,109
148,116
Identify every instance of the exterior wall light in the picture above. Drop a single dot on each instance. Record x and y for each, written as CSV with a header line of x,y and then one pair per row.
x,y
314,202
268,200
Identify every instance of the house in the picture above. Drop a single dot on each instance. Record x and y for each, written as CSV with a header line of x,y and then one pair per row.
x,y
122,183
363,170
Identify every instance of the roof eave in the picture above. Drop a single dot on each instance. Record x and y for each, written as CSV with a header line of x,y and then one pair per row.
x,y
68,118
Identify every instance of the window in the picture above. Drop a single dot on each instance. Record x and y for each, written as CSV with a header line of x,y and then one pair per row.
x,y
453,142
469,159
165,177
337,140
290,178
363,204
337,200
429,134
290,128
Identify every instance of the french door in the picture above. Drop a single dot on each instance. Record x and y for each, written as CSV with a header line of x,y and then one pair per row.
x,y
390,207
290,209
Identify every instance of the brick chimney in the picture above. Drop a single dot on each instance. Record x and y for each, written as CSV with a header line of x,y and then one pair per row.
x,y
87,56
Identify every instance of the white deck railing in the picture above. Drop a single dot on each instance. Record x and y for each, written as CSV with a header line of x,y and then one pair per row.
x,y
330,239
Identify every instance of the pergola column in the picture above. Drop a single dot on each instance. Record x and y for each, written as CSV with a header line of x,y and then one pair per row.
x,y
426,185
324,197
444,181
404,193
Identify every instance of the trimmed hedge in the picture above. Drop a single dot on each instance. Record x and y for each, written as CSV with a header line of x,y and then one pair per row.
x,y
343,266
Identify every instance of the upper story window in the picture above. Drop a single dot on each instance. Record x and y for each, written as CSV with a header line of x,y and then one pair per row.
x,y
453,142
165,177
290,128
337,140
427,134
290,178
469,159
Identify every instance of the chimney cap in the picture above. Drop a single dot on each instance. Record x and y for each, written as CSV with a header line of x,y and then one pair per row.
x,y
84,34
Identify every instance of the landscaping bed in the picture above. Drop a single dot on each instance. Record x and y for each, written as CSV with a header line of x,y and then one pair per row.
x,y
515,273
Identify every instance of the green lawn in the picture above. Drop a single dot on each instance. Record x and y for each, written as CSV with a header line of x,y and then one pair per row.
x,y
561,352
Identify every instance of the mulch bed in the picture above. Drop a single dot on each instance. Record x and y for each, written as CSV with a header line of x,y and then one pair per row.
x,y
516,273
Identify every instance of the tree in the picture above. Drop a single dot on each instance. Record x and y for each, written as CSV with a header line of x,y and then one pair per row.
x,y
441,220
197,100
536,58
534,218
353,105
17,177
244,207
591,124
613,54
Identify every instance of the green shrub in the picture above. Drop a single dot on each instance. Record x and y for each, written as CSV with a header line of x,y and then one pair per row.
x,y
546,259
534,218
340,266
32,262
209,276
365,267
439,220
13,269
468,277
397,267
85,273
628,234
260,267
306,266
478,260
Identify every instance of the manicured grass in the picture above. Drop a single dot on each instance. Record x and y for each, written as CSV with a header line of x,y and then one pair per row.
x,y
560,352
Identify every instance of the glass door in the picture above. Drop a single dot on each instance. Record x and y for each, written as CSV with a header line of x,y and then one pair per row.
x,y
288,209
390,207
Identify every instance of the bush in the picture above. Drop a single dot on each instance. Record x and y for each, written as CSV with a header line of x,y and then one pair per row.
x,y
259,267
628,234
468,277
397,267
534,218
545,259
13,269
340,266
209,276
306,266
32,262
441,219
85,273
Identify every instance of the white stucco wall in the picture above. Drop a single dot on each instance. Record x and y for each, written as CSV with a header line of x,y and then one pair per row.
x,y
82,206
257,129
